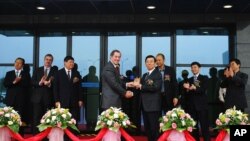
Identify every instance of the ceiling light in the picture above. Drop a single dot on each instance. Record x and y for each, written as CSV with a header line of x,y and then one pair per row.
x,y
40,8
154,33
150,7
217,18
227,6
205,32
151,18
26,33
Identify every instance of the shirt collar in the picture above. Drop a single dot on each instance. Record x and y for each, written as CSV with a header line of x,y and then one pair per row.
x,y
67,70
150,71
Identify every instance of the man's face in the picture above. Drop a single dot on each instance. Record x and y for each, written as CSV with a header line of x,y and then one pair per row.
x,y
150,63
116,58
234,66
18,64
195,69
159,61
48,61
69,64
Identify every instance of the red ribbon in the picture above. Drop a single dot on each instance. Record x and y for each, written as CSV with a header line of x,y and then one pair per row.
x,y
39,136
188,136
15,135
221,135
165,135
126,135
45,133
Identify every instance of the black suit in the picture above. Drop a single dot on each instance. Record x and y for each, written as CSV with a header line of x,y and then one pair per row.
x,y
197,106
235,94
68,92
170,88
112,87
151,103
42,96
15,93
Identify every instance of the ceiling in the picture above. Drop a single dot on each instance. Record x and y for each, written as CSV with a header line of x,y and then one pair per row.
x,y
131,7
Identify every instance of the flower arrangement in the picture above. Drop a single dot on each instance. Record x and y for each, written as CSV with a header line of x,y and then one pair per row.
x,y
113,118
10,118
177,119
58,117
231,117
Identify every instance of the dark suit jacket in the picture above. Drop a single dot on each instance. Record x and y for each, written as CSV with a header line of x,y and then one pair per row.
x,y
151,93
198,98
67,92
43,92
16,91
235,94
170,85
112,87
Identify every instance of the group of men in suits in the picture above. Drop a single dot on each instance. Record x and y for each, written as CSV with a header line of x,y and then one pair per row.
x,y
158,90
51,88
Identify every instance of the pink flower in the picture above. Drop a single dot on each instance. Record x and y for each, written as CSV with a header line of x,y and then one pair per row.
x,y
128,122
182,116
161,125
218,122
1,113
174,125
188,116
165,119
227,120
190,129
59,124
242,123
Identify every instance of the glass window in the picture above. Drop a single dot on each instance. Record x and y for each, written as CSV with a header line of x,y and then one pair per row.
x,y
3,71
204,46
13,44
55,46
203,71
86,52
154,43
126,43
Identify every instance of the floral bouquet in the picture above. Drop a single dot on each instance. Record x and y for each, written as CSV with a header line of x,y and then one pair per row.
x,y
231,117
113,118
10,118
58,117
175,125
177,119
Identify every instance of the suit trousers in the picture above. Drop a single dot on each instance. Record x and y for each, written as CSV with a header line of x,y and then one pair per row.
x,y
151,124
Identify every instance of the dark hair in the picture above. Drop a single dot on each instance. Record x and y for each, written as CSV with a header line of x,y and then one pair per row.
x,y
114,51
237,61
19,58
49,55
67,58
150,56
162,55
196,63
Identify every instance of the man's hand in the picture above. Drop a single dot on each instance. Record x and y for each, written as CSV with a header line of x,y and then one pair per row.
x,y
58,105
129,94
175,101
17,79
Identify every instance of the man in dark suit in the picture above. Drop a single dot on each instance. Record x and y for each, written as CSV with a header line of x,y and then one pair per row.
x,y
196,101
113,88
42,96
169,89
17,83
150,87
67,88
235,83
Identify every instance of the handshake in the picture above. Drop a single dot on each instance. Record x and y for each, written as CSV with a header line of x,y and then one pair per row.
x,y
135,84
